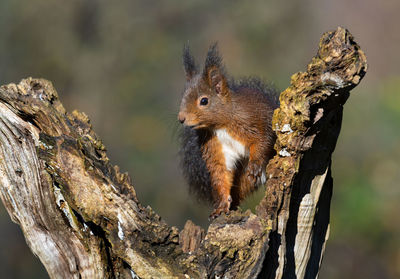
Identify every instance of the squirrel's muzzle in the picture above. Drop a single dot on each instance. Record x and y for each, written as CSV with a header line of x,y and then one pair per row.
x,y
181,117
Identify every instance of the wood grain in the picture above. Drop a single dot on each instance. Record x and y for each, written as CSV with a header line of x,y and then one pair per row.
x,y
82,218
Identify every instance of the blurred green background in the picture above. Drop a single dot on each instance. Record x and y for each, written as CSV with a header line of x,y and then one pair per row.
x,y
120,62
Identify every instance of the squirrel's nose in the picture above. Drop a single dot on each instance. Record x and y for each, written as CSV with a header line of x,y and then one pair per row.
x,y
181,118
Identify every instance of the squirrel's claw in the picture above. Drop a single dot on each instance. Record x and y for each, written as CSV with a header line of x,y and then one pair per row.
x,y
254,172
223,207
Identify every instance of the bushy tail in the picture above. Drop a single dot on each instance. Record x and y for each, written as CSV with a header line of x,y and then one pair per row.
x,y
193,166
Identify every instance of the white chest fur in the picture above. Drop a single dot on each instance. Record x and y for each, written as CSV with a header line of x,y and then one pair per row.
x,y
232,149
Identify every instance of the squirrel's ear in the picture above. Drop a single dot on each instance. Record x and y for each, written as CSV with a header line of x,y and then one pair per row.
x,y
214,72
217,80
188,63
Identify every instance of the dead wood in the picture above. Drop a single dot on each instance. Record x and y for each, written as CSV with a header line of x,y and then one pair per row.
x,y
82,218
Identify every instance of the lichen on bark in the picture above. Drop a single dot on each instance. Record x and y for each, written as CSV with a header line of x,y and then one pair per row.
x,y
81,215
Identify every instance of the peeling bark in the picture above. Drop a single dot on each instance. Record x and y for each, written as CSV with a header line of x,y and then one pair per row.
x,y
82,218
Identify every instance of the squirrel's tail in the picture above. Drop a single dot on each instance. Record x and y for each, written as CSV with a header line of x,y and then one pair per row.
x,y
194,167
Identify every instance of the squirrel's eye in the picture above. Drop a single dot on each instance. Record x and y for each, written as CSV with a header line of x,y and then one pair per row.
x,y
204,101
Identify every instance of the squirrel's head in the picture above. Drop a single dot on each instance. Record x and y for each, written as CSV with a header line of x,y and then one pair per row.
x,y
206,99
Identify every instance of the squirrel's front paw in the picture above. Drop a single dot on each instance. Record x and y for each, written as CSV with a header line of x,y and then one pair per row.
x,y
223,207
254,172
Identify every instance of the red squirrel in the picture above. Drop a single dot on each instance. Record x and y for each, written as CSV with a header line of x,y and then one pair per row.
x,y
227,138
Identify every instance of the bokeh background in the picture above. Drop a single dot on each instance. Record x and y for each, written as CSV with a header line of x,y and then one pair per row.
x,y
120,62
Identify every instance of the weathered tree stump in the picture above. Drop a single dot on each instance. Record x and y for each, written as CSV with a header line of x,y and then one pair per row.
x,y
82,218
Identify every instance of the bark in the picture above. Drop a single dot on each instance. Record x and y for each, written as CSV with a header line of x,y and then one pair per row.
x,y
82,218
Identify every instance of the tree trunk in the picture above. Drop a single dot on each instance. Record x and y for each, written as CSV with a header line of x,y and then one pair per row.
x,y
82,218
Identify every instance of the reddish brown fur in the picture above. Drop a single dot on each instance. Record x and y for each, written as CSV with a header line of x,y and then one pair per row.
x,y
245,113
221,179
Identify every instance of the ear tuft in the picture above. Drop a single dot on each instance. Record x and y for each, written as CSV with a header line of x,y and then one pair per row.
x,y
213,58
188,62
214,71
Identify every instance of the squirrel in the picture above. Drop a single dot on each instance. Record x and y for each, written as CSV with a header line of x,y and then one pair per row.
x,y
227,138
